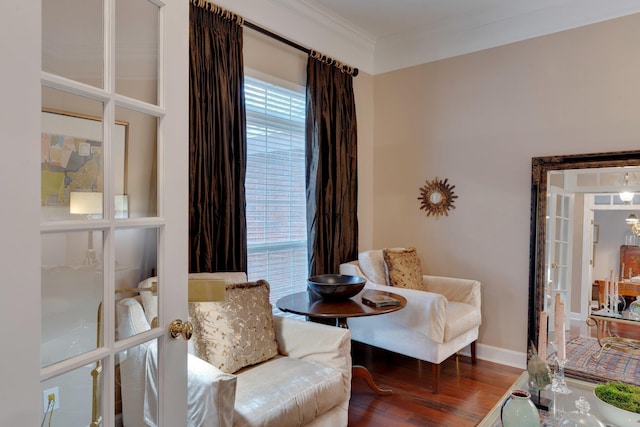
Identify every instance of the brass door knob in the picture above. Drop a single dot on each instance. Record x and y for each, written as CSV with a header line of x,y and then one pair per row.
x,y
178,329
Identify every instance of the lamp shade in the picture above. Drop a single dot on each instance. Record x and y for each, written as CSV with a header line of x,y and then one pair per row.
x,y
632,219
626,196
207,290
85,203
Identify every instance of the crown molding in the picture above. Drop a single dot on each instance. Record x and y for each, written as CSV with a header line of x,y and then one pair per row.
x,y
336,20
492,28
310,25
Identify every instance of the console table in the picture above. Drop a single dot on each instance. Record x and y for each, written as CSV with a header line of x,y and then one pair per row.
x,y
602,319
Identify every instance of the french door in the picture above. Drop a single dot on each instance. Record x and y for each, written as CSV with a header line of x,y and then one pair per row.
x,y
95,139
559,250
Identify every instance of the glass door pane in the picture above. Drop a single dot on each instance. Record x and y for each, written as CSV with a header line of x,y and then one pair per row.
x,y
68,399
72,156
103,230
140,173
137,39
71,296
73,40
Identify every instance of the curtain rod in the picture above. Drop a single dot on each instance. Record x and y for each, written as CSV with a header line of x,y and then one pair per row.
x,y
284,40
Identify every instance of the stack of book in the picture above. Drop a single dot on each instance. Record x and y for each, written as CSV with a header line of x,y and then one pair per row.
x,y
378,300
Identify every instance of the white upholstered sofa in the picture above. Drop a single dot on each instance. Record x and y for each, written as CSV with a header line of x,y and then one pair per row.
x,y
441,318
308,382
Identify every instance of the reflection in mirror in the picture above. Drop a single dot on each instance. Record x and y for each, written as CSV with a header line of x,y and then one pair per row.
x,y
72,43
138,371
73,390
136,54
579,229
71,293
140,163
136,266
71,156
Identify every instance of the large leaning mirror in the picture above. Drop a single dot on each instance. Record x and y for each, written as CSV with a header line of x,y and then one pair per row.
x,y
580,230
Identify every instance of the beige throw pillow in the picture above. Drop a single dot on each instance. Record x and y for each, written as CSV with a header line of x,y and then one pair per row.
x,y
403,268
372,266
238,331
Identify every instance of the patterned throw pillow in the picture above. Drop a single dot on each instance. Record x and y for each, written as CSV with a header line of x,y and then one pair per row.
x,y
403,268
238,331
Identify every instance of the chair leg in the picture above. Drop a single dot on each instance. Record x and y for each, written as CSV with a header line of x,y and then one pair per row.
x,y
435,369
473,353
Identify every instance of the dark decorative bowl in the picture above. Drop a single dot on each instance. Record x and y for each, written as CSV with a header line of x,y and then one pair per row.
x,y
336,286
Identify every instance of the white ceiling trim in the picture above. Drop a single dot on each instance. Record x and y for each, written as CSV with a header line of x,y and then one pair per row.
x,y
335,19
493,28
314,26
309,26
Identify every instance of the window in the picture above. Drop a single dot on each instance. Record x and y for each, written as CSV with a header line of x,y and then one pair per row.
x,y
275,186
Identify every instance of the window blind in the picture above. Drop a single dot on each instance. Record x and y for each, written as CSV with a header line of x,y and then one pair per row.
x,y
275,186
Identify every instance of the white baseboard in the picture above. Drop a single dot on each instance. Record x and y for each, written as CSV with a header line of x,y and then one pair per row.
x,y
499,355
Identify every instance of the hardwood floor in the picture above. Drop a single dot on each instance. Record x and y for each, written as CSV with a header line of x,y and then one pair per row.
x,y
467,392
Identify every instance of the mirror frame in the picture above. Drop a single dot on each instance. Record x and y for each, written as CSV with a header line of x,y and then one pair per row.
x,y
540,166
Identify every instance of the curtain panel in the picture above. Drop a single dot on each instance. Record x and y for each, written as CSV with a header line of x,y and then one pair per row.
x,y
331,168
217,144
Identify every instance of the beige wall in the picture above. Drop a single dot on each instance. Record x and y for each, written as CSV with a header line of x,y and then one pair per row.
x,y
363,88
477,120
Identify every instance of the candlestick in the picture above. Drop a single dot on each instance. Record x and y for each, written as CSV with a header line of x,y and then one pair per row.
x,y
558,383
542,335
559,322
609,308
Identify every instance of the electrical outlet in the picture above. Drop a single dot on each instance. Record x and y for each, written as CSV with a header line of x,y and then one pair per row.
x,y
54,393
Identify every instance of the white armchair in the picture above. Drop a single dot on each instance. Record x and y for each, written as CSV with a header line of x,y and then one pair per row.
x,y
307,383
440,319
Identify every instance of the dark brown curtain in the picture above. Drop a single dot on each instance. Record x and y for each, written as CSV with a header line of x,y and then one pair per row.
x,y
217,139
332,189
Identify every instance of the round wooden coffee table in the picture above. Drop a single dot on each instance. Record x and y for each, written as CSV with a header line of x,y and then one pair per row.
x,y
337,312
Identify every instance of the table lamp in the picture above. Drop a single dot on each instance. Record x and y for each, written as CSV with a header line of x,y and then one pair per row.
x,y
86,203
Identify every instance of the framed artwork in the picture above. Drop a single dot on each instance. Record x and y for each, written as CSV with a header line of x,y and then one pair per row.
x,y
71,156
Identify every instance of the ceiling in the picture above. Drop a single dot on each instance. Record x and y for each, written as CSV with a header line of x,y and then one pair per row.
x,y
380,18
410,32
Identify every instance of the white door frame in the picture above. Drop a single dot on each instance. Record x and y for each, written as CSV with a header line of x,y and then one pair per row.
x,y
20,229
20,48
550,287
588,253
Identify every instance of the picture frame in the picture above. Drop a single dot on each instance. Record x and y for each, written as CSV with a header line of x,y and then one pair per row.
x,y
71,156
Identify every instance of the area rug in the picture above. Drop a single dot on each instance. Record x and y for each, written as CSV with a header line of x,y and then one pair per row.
x,y
612,365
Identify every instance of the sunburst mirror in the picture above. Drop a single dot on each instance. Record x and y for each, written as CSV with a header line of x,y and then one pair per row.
x,y
437,197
